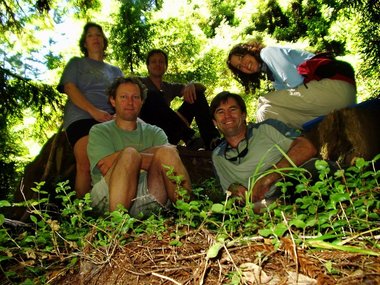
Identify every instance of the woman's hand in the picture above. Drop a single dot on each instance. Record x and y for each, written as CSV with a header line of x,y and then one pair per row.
x,y
80,101
101,116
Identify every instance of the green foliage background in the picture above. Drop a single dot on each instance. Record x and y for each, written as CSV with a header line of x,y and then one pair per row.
x,y
196,33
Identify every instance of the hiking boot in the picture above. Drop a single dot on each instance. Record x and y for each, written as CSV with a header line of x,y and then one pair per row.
x,y
195,143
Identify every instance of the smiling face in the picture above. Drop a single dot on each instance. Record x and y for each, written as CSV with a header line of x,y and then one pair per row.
x,y
230,119
245,63
127,102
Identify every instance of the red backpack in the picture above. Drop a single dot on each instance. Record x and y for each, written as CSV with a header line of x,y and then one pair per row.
x,y
323,65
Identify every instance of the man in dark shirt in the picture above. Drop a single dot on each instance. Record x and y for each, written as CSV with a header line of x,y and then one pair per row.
x,y
176,124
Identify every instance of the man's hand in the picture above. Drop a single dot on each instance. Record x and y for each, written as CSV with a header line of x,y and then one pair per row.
x,y
260,188
189,94
106,163
238,190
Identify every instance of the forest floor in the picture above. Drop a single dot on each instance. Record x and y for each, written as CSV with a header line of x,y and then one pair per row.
x,y
154,260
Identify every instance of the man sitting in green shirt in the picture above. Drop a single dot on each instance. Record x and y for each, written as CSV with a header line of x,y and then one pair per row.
x,y
128,157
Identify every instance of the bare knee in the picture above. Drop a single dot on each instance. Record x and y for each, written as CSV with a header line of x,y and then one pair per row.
x,y
167,154
129,157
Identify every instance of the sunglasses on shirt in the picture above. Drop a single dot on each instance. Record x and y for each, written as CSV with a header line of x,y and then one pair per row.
x,y
234,154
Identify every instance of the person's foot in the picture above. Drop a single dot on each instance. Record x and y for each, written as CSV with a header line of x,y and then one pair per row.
x,y
195,143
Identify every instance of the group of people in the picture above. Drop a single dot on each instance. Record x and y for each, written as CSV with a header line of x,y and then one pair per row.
x,y
124,132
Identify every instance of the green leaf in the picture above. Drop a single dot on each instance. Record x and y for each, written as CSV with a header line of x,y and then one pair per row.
x,y
312,209
311,222
175,242
265,232
278,212
33,218
73,237
4,257
329,266
73,261
321,164
298,223
214,249
374,216
360,162
280,229
326,245
203,214
327,236
4,203
340,197
217,208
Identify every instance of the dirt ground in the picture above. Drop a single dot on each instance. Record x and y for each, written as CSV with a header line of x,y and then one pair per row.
x,y
153,260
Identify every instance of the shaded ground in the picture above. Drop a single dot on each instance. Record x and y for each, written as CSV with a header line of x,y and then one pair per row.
x,y
152,260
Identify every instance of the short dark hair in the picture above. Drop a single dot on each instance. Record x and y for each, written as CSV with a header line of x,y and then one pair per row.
x,y
222,97
156,51
121,80
82,39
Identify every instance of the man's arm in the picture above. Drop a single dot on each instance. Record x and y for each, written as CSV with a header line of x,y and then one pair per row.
x,y
300,151
106,163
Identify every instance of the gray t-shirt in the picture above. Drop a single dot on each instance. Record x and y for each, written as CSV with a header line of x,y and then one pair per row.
x,y
107,138
92,78
267,143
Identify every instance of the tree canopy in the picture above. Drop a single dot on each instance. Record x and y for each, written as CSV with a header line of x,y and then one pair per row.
x,y
197,34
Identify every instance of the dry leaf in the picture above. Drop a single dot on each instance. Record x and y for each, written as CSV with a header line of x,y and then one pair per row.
x,y
302,279
254,274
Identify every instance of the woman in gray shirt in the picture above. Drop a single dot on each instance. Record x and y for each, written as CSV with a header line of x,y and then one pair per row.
x,y
85,81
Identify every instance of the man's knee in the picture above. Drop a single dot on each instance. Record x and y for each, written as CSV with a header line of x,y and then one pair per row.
x,y
167,153
129,157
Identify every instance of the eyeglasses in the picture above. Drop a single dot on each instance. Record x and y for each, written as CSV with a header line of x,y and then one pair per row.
x,y
234,154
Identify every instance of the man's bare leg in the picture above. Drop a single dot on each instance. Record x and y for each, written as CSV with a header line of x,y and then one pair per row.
x,y
159,185
123,178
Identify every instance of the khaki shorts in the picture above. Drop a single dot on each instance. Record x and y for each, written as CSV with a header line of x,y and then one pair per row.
x,y
143,205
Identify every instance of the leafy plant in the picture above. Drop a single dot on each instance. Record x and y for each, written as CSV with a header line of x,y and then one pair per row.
x,y
331,212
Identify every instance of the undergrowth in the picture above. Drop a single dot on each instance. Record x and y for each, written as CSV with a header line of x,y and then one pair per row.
x,y
339,210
